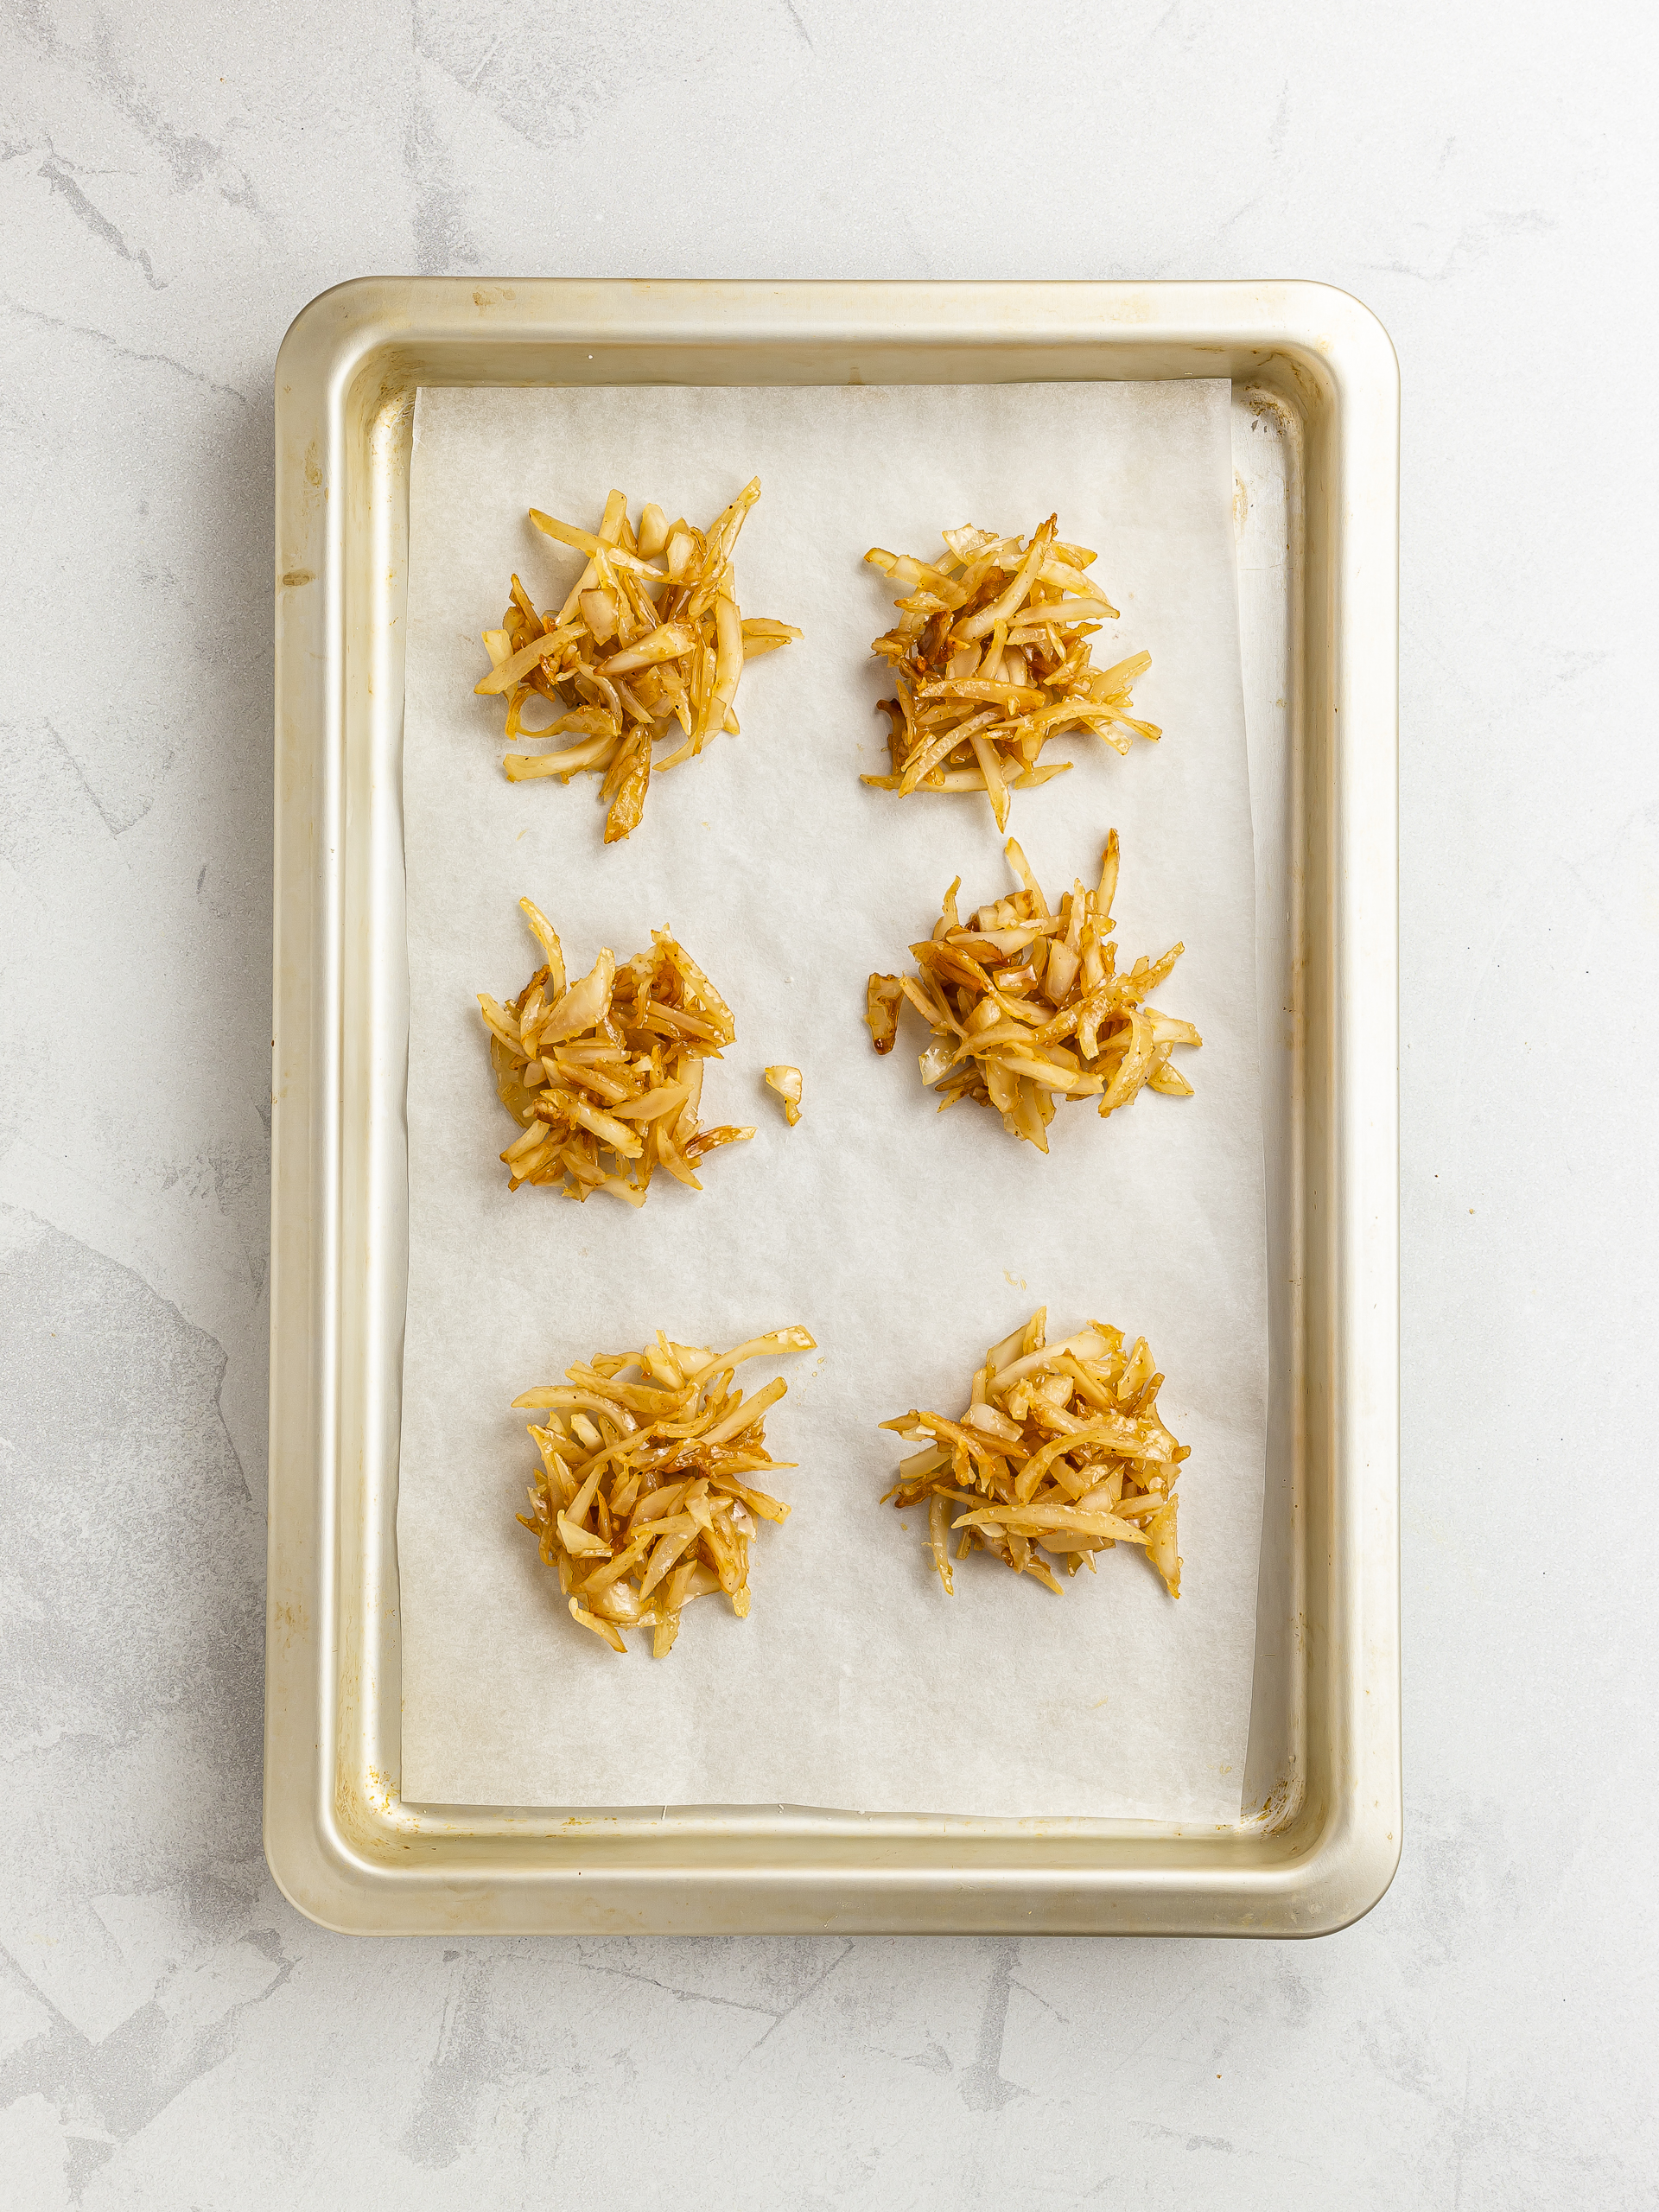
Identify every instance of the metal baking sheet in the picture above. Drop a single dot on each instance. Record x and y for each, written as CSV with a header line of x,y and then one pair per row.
x,y
1315,443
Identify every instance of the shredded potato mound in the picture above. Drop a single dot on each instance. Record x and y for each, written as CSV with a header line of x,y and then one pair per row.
x,y
990,660
608,1067
634,647
1026,1006
642,1502
1060,1450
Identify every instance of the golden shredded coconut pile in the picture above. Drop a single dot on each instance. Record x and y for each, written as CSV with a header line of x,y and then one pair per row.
x,y
643,1500
1026,1005
990,660
1060,1450
635,646
605,1076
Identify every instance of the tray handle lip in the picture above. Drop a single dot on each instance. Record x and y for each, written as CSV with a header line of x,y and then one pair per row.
x,y
1323,326
349,1898
1343,1872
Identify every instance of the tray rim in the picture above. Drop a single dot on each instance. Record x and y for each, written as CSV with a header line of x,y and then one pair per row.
x,y
339,1843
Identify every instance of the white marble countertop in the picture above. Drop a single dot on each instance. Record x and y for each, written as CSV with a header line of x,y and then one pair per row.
x,y
177,181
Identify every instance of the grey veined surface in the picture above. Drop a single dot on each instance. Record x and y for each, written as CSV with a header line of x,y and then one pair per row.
x,y
170,2029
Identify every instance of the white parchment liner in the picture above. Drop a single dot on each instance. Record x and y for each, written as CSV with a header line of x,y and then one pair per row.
x,y
904,1241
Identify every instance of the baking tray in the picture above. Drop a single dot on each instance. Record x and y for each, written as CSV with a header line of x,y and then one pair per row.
x,y
1316,404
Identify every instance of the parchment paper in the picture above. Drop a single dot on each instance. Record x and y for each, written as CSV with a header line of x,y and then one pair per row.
x,y
905,1240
